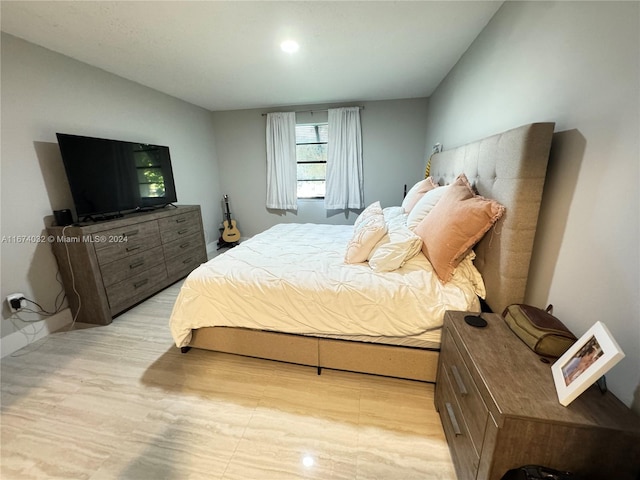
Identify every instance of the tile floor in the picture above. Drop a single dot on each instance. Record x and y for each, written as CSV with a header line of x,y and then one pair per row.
x,y
121,402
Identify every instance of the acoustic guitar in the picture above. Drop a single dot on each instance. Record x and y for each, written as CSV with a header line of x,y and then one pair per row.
x,y
230,234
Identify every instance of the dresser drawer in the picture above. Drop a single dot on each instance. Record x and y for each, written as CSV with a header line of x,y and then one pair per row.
x,y
179,226
465,390
182,245
123,242
120,270
465,457
181,265
130,291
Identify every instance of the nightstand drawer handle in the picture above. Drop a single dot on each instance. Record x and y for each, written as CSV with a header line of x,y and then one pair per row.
x,y
130,233
454,422
181,220
141,283
458,378
183,231
137,264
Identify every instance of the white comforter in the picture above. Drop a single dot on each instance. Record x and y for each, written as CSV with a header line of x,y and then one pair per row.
x,y
292,278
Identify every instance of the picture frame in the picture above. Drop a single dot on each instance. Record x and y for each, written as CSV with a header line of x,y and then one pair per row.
x,y
590,357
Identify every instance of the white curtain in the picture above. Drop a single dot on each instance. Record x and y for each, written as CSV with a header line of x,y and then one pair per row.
x,y
282,183
344,160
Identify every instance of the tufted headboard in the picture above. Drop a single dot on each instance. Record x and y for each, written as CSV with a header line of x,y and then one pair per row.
x,y
509,167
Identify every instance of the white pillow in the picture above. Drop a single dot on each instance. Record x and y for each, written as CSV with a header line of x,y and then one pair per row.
x,y
416,192
373,209
424,206
365,236
467,272
392,212
399,245
392,220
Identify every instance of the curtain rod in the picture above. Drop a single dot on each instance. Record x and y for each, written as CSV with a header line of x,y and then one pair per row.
x,y
361,107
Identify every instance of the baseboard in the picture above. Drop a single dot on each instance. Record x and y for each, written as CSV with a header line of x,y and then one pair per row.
x,y
214,251
34,331
212,248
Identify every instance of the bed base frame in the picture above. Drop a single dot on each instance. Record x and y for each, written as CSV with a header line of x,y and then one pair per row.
x,y
388,360
509,167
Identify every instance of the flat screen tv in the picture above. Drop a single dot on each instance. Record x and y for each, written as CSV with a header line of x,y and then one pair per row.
x,y
111,177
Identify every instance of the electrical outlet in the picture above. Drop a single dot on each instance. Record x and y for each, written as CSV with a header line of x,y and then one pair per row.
x,y
16,302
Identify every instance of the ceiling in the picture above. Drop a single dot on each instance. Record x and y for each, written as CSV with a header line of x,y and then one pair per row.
x,y
225,55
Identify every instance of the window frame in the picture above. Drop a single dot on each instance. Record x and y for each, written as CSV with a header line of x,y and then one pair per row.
x,y
298,162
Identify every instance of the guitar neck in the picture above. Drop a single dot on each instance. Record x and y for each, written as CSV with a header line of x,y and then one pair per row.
x,y
226,203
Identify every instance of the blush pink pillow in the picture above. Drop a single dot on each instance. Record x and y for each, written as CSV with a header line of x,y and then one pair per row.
x,y
416,192
454,225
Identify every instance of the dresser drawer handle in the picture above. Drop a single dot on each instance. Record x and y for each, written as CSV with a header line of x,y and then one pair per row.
x,y
132,232
133,249
452,417
458,379
141,283
185,245
187,261
181,220
183,231
137,264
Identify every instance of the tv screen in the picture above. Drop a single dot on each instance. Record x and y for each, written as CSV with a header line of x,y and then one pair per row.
x,y
111,177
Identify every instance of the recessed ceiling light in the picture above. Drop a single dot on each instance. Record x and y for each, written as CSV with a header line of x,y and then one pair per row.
x,y
289,46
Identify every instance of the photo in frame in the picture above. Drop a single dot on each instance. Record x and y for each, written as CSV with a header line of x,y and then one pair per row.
x,y
590,357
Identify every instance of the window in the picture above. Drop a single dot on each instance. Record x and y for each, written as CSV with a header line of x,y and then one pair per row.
x,y
311,157
149,169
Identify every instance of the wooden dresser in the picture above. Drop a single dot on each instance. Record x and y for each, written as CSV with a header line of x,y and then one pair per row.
x,y
499,409
117,263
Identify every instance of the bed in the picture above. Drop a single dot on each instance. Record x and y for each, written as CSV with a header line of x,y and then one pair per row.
x,y
288,295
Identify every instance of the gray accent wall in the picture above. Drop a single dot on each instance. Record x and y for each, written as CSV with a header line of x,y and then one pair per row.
x,y
576,64
393,155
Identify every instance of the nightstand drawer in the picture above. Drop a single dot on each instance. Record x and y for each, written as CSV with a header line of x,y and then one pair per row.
x,y
525,423
465,390
465,456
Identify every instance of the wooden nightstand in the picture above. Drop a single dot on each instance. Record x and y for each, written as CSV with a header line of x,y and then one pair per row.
x,y
499,409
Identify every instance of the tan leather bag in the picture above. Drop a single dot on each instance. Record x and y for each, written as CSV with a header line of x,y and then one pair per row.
x,y
539,329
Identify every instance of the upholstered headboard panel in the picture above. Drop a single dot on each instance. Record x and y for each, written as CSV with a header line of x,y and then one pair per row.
x,y
509,167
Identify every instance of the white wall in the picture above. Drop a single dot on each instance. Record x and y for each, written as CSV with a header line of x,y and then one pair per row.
x,y
574,63
393,155
44,93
